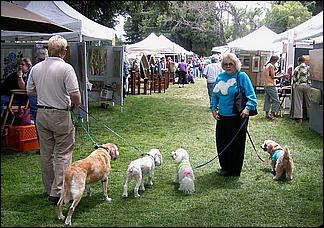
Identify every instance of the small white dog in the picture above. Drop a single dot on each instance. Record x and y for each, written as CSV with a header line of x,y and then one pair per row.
x,y
184,176
141,167
281,160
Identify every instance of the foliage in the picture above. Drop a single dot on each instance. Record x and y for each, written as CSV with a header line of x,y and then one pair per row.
x,y
180,117
314,7
196,25
286,16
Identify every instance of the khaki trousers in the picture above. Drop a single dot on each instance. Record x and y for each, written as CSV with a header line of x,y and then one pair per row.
x,y
301,96
56,138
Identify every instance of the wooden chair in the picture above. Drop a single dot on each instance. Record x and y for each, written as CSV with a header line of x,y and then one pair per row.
x,y
284,99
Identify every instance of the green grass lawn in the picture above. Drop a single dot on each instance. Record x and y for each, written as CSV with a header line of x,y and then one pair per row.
x,y
178,118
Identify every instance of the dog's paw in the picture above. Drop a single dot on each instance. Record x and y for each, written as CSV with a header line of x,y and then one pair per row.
x,y
107,199
150,183
61,217
137,195
68,224
275,178
125,195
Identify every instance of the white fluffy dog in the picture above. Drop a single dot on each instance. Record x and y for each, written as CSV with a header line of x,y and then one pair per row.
x,y
141,167
184,176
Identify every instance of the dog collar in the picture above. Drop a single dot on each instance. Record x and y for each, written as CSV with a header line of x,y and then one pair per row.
x,y
105,148
151,157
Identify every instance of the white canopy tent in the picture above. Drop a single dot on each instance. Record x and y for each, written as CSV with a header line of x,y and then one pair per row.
x,y
259,40
14,17
171,46
61,13
220,49
146,46
154,44
311,28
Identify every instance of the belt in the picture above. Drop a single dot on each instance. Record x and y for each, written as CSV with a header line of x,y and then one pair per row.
x,y
47,107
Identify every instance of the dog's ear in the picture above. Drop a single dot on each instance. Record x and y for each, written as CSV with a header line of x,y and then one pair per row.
x,y
173,155
158,159
270,147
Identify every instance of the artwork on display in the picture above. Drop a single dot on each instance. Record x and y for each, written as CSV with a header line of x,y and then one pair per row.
x,y
245,60
9,55
97,61
256,64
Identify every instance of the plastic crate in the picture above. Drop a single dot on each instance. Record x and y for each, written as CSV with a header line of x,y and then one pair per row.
x,y
22,138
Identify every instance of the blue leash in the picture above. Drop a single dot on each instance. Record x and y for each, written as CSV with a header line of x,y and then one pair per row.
x,y
230,142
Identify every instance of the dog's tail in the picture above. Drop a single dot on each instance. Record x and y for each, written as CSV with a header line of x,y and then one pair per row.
x,y
187,185
287,153
66,190
133,171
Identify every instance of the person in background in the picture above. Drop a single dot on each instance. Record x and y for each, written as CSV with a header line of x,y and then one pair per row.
x,y
211,71
183,70
56,85
231,128
300,89
285,81
42,54
16,80
271,98
171,67
125,77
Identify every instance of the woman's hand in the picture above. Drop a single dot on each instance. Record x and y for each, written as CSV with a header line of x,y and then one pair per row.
x,y
215,115
245,113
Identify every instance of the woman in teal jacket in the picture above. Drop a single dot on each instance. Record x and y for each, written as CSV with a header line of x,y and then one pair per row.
x,y
231,127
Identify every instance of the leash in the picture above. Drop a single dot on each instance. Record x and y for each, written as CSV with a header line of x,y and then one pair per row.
x,y
254,146
96,146
119,136
230,142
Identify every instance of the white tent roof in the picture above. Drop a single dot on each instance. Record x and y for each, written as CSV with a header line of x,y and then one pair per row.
x,y
259,40
171,46
148,45
311,28
63,14
221,49
154,44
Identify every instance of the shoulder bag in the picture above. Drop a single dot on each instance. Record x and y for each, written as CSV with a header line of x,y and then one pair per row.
x,y
240,100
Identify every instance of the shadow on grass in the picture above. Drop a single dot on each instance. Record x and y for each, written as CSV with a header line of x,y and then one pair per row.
x,y
214,180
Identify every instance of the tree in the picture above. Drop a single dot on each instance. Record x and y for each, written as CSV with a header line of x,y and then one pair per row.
x,y
286,16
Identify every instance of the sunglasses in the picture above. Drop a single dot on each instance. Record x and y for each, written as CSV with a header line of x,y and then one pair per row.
x,y
228,64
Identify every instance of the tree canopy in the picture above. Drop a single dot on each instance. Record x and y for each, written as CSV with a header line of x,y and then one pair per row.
x,y
196,25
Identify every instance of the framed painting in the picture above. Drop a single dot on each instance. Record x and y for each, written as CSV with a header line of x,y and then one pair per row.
x,y
256,64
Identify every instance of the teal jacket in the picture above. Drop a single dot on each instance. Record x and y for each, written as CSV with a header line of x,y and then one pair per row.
x,y
224,89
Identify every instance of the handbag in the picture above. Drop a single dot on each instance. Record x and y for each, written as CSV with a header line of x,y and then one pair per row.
x,y
240,100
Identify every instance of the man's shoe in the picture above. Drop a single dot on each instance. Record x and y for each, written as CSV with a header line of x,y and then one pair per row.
x,y
53,199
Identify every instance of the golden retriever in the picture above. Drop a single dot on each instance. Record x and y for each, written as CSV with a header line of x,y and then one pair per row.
x,y
81,173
